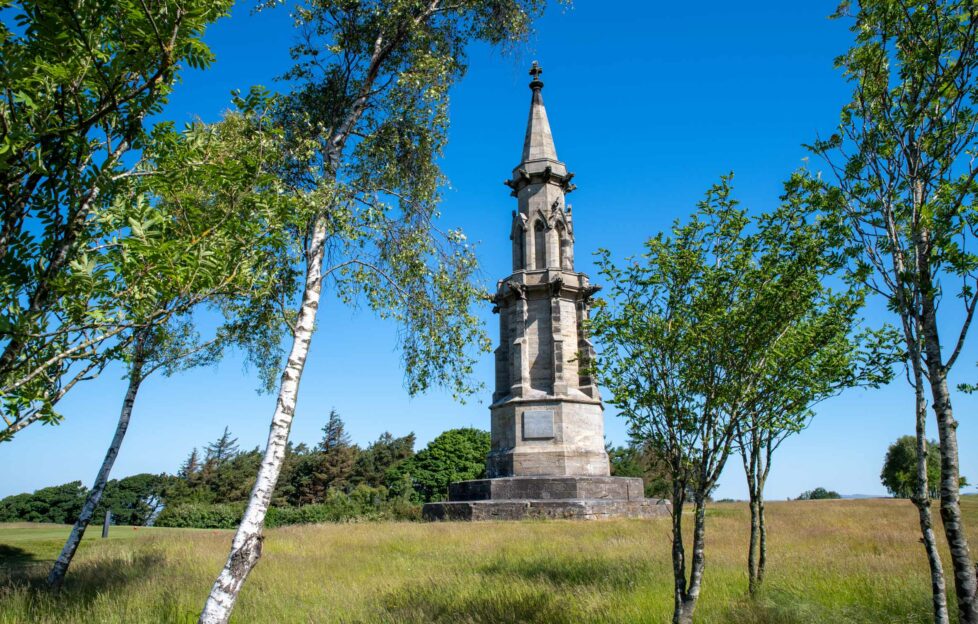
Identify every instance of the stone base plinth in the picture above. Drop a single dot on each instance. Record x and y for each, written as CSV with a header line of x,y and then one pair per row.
x,y
518,498
547,437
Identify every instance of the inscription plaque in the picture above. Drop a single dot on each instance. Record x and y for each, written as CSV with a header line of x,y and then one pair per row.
x,y
538,425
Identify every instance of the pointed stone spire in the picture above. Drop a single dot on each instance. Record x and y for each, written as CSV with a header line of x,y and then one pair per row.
x,y
539,164
539,142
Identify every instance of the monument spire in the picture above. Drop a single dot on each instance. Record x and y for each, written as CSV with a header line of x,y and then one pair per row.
x,y
539,141
547,456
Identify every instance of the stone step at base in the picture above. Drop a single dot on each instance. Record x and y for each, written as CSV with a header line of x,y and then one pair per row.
x,y
517,509
548,488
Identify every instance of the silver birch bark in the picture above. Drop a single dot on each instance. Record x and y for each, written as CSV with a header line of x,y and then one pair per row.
x,y
921,500
247,544
56,577
757,463
965,574
686,600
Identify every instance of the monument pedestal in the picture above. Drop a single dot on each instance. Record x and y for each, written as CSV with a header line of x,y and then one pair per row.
x,y
572,497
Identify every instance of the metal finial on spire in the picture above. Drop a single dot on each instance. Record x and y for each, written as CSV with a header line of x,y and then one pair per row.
x,y
539,142
535,71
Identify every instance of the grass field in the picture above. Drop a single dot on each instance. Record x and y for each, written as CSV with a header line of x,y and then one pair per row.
x,y
857,561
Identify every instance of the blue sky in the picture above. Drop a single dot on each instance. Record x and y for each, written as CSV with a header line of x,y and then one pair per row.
x,y
649,104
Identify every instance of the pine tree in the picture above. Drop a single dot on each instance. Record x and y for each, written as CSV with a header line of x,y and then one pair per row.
x,y
190,466
223,449
334,433
374,461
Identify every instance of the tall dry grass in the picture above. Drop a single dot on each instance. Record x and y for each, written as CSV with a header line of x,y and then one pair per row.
x,y
829,561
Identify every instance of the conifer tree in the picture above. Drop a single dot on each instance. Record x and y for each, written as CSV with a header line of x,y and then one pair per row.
x,y
190,466
334,433
222,449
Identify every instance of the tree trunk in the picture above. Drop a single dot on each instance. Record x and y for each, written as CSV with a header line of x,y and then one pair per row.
x,y
752,550
56,577
684,613
965,581
921,500
247,544
762,538
678,550
756,469
687,605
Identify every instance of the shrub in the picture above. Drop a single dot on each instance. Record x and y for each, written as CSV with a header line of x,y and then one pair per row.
x,y
363,503
202,516
456,455
818,493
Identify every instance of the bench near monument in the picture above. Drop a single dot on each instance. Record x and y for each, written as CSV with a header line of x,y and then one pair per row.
x,y
547,458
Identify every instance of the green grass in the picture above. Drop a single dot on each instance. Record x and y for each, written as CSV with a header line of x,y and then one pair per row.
x,y
830,561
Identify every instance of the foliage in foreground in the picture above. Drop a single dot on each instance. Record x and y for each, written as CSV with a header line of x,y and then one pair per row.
x,y
723,334
902,177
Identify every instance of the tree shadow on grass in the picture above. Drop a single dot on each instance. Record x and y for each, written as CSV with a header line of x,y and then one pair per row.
x,y
583,572
86,580
478,605
764,611
779,607
12,556
18,564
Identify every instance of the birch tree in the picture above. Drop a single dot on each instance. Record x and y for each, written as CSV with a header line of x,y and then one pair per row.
x,y
365,126
696,334
662,331
821,350
77,82
201,238
902,162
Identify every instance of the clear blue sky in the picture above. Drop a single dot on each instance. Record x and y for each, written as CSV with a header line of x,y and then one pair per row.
x,y
649,103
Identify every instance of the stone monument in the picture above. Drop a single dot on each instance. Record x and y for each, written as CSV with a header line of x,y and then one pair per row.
x,y
547,457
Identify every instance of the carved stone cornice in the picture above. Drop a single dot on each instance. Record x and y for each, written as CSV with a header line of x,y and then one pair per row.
x,y
523,178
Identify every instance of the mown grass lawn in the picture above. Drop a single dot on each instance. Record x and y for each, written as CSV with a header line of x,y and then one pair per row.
x,y
830,561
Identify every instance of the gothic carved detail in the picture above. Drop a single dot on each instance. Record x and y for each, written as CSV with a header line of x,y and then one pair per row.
x,y
517,289
556,286
589,293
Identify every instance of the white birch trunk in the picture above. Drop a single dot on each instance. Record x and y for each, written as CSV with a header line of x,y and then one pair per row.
x,y
965,574
247,544
921,500
56,577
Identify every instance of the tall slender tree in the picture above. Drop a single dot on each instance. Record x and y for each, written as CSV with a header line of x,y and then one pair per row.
x,y
193,244
820,353
191,466
334,433
694,335
905,181
366,124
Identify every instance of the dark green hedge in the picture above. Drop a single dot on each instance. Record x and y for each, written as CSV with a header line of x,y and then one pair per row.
x,y
363,503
